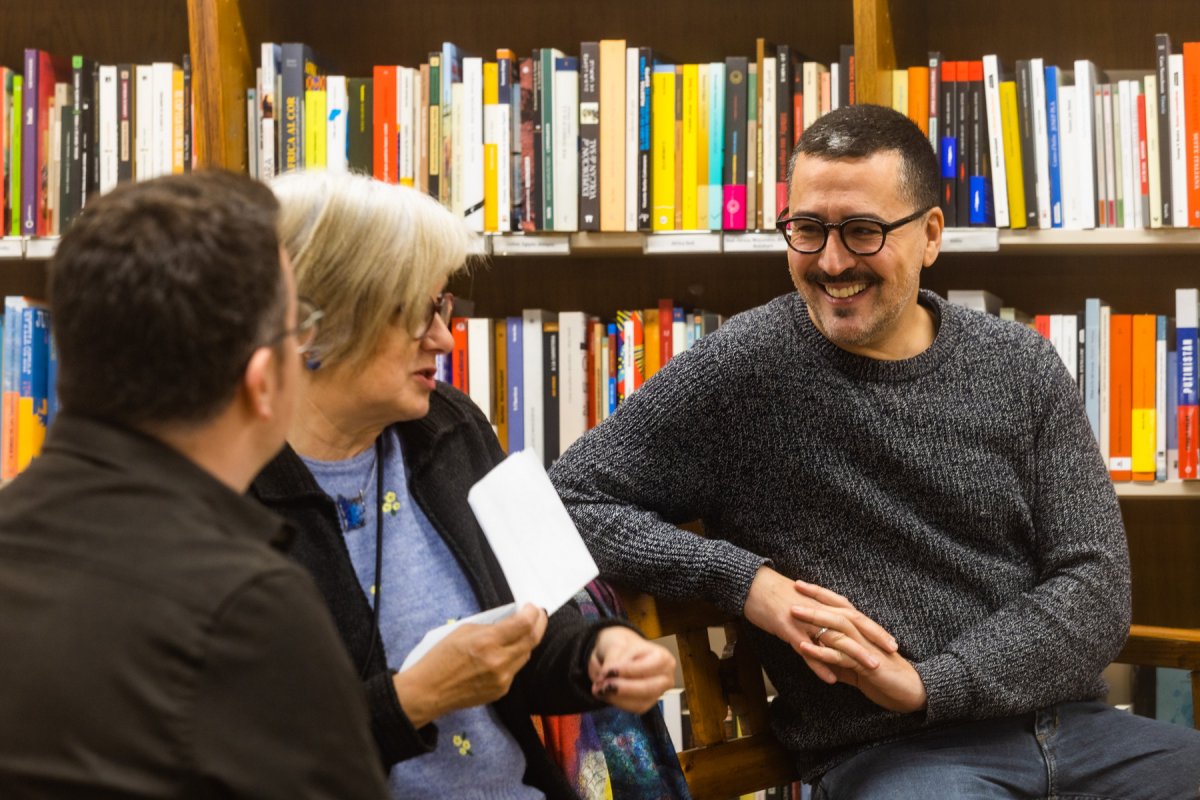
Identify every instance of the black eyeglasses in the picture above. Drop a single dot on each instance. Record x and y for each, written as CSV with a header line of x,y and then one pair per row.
x,y
306,330
862,236
443,307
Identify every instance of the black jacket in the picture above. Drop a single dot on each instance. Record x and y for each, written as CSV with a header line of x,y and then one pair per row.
x,y
446,452
155,644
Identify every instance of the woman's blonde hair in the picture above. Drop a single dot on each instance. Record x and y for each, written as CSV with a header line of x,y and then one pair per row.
x,y
367,253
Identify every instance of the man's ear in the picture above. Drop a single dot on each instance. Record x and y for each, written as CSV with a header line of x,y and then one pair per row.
x,y
934,225
260,382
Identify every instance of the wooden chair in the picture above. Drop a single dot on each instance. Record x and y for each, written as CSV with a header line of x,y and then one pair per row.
x,y
718,766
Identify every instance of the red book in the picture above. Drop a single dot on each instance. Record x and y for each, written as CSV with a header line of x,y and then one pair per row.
x,y
1191,116
458,355
1120,384
1042,323
1143,159
386,144
666,324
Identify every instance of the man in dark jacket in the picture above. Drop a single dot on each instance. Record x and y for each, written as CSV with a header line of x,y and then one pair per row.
x,y
156,644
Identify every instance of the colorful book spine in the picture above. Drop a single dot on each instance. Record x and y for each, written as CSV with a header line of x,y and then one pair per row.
x,y
663,157
33,399
716,146
1143,416
16,157
516,384
1162,421
1191,105
10,386
734,181
589,136
1014,166
1120,442
1188,401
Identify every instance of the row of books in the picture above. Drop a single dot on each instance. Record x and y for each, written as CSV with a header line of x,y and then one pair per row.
x,y
70,129
1046,147
544,378
1139,393
614,139
27,381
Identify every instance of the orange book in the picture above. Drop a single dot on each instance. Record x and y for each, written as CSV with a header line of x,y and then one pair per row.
x,y
918,97
1120,392
458,355
1042,323
1143,421
653,353
385,139
1191,117
612,135
500,380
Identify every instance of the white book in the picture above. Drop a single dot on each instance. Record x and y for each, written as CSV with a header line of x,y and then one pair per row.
x,y
991,96
627,337
458,111
566,145
107,102
481,363
143,114
1070,342
54,165
496,132
811,76
1153,154
572,377
835,84
270,57
1041,140
1083,147
406,124
679,329
253,130
1130,170
1179,204
472,138
768,128
1068,121
632,100
532,322
1057,337
1112,149
672,711
337,106
162,105
1105,378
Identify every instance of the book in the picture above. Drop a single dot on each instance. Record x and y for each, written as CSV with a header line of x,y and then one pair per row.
x,y
612,87
33,389
480,365
533,322
1162,116
551,392
1187,399
589,136
1143,417
515,358
1014,163
572,377
566,148
734,179
663,155
1120,458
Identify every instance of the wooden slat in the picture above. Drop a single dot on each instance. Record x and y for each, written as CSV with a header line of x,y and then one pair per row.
x,y
1162,647
733,768
702,680
222,71
874,49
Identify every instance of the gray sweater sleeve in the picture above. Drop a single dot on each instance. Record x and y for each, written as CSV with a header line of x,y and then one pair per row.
x,y
657,463
1040,646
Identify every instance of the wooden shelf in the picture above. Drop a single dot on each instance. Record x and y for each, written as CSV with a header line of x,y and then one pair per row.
x,y
1168,490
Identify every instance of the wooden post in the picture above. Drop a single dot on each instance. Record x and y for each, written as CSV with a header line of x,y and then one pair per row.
x,y
874,47
221,72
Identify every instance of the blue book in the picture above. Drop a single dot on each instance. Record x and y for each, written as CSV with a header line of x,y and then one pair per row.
x,y
516,384
52,381
1053,82
1160,398
716,144
1172,414
32,400
614,333
645,68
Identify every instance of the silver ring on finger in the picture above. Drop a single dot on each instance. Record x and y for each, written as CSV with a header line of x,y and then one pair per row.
x,y
817,639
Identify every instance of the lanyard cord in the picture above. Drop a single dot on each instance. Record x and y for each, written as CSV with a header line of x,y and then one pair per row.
x,y
378,584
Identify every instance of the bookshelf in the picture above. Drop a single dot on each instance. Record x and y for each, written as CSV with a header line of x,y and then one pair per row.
x,y
1045,271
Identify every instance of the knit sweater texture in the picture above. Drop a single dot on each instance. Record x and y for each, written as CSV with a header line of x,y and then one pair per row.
x,y
957,498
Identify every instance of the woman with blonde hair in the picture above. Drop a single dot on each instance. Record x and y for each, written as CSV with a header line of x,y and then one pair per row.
x,y
374,480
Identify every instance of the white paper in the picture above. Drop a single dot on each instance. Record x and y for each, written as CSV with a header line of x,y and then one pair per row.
x,y
538,547
441,632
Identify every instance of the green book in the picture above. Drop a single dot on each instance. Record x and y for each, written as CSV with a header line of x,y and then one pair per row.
x,y
14,188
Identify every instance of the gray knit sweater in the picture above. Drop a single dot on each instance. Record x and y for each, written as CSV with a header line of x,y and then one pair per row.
x,y
957,498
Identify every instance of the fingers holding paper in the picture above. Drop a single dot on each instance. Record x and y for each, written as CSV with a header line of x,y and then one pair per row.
x,y
472,666
629,672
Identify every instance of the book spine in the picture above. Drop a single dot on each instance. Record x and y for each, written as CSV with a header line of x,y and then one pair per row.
x,y
1120,459
716,146
32,402
1191,105
433,125
531,210
546,107
30,169
663,159
645,171
566,148
734,179
125,88
688,176
516,385
270,56
1083,143
1143,406
979,178
991,94
589,136
1162,113
632,96
949,152
1054,146
1012,154
1178,146
292,73
749,148
1037,102
1188,399
1162,421
337,123
499,331
385,146
550,392
783,125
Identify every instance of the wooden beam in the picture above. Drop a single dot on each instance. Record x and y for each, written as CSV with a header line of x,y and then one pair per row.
x,y
874,47
221,72
733,768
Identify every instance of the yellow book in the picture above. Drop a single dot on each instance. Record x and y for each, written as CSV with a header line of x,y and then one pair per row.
x,y
1144,422
491,150
691,121
884,90
662,143
315,127
699,220
900,90
1012,154
177,120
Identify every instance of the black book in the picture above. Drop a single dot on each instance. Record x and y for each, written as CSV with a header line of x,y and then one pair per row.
x,y
187,113
125,124
733,215
550,390
360,127
966,145
589,136
68,171
537,211
846,88
1025,127
1162,77
948,149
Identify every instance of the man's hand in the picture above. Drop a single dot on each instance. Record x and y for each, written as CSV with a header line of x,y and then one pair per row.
x,y
629,672
770,606
472,666
894,684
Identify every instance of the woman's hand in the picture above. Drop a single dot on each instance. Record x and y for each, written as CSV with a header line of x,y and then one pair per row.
x,y
629,672
472,666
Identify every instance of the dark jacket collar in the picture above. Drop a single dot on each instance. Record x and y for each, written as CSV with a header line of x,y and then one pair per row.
x,y
145,460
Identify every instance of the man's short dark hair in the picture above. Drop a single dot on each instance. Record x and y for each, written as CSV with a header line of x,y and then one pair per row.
x,y
160,291
860,131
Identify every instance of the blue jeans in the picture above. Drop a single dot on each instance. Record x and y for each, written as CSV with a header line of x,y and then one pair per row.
x,y
1074,750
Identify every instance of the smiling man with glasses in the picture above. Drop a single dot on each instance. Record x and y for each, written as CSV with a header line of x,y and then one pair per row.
x,y
916,518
